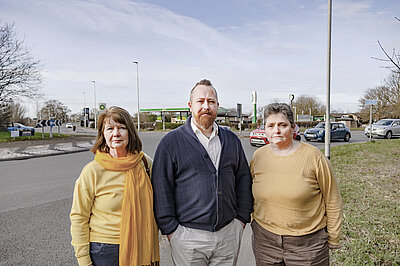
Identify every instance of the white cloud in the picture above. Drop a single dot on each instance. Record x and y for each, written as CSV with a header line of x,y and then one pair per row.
x,y
274,48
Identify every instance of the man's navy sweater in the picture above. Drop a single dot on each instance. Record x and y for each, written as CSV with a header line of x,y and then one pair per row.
x,y
187,188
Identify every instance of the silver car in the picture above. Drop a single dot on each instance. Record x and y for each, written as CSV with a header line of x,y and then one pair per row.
x,y
385,128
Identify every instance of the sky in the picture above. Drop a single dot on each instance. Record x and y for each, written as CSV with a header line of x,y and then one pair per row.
x,y
273,47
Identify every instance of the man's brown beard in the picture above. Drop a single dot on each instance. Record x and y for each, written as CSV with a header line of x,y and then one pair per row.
x,y
205,121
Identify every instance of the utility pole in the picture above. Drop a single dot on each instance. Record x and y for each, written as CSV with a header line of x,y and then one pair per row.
x,y
95,106
137,86
328,88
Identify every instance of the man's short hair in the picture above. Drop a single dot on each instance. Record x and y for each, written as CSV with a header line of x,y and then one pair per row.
x,y
276,108
204,82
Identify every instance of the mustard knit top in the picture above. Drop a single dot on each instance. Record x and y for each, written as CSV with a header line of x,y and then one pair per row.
x,y
96,208
296,194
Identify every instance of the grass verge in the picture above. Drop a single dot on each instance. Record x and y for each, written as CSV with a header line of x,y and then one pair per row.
x,y
369,180
6,136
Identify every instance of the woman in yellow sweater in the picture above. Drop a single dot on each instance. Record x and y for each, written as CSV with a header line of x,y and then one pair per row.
x,y
112,221
297,204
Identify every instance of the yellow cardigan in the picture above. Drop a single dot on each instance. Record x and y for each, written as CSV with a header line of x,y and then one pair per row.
x,y
296,194
96,208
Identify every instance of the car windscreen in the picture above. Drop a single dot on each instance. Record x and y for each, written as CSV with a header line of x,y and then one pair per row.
x,y
320,125
384,122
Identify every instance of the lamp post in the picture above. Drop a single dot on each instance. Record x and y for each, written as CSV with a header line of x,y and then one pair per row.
x,y
95,107
137,85
328,87
84,109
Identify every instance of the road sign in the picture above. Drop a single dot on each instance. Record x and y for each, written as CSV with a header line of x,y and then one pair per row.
x,y
371,102
14,133
42,123
58,123
239,110
102,106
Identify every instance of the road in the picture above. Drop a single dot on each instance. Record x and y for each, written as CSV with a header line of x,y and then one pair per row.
x,y
35,199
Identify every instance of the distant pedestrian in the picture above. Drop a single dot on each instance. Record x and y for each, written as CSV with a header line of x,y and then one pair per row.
x,y
112,220
202,186
297,204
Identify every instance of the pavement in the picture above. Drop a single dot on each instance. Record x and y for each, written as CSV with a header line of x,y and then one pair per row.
x,y
35,151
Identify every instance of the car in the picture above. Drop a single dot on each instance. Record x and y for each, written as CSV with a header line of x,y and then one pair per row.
x,y
259,138
385,128
69,125
338,131
21,128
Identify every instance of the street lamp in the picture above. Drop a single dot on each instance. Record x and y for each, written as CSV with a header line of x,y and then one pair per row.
x,y
137,85
95,107
84,109
328,87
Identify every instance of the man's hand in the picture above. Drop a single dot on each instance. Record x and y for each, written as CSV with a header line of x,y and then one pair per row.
x,y
170,236
243,225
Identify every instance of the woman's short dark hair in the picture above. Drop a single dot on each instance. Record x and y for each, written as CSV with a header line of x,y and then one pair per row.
x,y
121,116
283,108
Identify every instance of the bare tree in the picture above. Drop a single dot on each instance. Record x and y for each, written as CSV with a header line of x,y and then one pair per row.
x,y
307,104
18,112
19,72
394,58
56,109
388,99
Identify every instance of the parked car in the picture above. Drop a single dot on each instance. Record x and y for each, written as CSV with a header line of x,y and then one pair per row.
x,y
258,136
385,128
69,125
21,128
338,131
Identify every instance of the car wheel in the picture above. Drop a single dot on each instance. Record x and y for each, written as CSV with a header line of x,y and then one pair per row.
x,y
298,137
307,139
347,137
252,144
388,135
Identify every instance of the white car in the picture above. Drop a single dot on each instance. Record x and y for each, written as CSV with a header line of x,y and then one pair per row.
x,y
69,125
385,128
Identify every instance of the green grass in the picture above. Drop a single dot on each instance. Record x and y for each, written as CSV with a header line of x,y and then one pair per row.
x,y
6,136
369,180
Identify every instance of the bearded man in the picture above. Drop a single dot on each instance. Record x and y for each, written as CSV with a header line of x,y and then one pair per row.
x,y
202,186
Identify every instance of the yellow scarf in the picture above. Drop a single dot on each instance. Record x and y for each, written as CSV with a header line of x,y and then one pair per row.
x,y
139,232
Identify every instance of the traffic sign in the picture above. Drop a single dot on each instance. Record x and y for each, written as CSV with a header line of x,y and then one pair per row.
x,y
102,106
14,133
42,123
371,102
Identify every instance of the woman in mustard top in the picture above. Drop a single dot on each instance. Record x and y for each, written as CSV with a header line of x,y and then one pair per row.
x,y
112,221
297,204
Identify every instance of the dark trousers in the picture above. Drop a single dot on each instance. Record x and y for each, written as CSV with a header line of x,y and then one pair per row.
x,y
273,249
103,254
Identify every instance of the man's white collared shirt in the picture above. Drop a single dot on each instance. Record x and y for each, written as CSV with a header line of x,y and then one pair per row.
x,y
211,144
